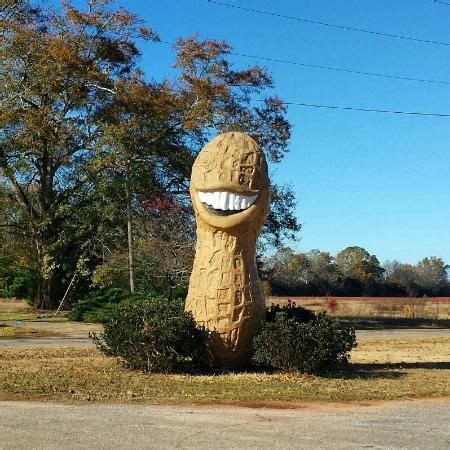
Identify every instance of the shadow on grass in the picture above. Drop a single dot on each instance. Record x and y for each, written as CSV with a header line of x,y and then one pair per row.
x,y
384,370
387,371
379,323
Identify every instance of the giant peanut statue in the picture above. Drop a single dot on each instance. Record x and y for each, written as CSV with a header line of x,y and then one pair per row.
x,y
230,195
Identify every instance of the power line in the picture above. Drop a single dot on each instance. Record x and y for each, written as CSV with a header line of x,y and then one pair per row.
x,y
326,24
351,108
442,3
338,69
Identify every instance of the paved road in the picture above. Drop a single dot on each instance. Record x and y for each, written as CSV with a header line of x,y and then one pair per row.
x,y
399,333
66,329
80,337
71,334
45,342
75,333
421,424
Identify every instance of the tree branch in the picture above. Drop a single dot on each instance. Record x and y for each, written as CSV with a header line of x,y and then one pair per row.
x,y
102,88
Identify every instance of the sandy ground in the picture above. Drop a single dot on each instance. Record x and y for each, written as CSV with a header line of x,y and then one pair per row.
x,y
419,424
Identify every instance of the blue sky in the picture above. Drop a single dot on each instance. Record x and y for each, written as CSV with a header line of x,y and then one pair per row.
x,y
375,180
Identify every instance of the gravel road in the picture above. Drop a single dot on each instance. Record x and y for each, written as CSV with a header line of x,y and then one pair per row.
x,y
72,334
395,425
77,334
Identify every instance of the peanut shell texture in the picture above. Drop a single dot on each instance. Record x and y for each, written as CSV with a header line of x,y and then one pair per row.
x,y
230,194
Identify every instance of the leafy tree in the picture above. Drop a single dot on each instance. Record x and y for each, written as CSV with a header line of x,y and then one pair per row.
x,y
17,271
59,71
164,251
358,268
83,134
404,276
322,269
311,273
432,274
286,270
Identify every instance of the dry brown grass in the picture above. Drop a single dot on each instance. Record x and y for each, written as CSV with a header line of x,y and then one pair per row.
x,y
11,332
13,305
372,307
381,370
407,350
13,309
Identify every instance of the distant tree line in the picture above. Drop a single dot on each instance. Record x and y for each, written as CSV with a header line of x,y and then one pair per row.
x,y
352,272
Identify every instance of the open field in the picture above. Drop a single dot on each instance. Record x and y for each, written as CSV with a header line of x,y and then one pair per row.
x,y
13,305
412,311
380,370
399,308
12,309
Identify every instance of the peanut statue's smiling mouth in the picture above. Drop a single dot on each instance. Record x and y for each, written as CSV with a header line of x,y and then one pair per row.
x,y
225,203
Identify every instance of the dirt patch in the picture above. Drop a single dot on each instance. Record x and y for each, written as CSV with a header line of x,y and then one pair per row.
x,y
312,405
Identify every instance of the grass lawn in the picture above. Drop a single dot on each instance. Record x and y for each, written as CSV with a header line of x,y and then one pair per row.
x,y
11,332
17,315
380,370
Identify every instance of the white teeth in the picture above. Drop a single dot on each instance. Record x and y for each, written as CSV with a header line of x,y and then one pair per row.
x,y
231,201
215,203
237,202
225,200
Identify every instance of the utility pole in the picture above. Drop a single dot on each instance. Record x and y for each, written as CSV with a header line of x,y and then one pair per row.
x,y
129,225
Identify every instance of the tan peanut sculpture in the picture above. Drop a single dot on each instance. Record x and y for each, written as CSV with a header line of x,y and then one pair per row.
x,y
230,194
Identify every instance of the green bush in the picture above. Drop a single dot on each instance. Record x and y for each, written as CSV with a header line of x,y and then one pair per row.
x,y
312,346
97,305
16,280
154,335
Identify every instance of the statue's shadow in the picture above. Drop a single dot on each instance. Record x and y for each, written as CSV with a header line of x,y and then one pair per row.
x,y
384,370
388,371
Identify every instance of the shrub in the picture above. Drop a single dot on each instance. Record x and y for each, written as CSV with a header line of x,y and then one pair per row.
x,y
290,310
96,306
311,346
154,335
